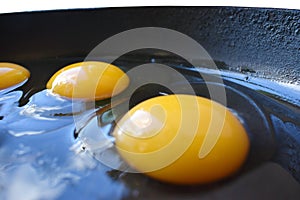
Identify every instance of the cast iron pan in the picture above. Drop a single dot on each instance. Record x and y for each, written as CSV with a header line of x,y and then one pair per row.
x,y
264,41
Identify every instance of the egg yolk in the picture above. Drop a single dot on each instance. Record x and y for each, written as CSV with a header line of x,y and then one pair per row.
x,y
89,80
12,74
182,139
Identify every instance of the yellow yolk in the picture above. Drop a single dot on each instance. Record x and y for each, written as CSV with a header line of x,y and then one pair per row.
x,y
182,139
88,80
12,74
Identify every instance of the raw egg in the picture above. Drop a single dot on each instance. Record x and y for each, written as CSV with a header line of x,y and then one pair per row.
x,y
182,139
89,80
12,74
